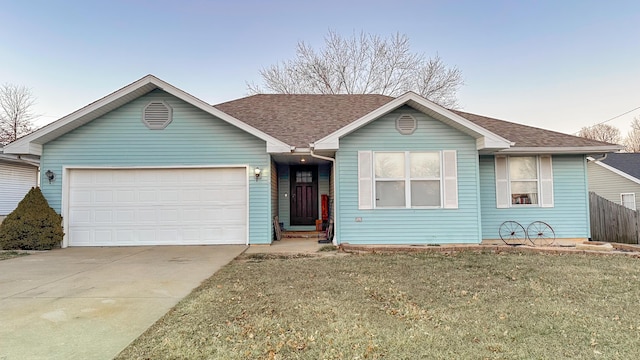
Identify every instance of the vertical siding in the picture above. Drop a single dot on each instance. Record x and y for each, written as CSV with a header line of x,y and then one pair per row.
x,y
274,193
283,190
570,215
324,184
15,182
193,138
407,226
324,172
610,185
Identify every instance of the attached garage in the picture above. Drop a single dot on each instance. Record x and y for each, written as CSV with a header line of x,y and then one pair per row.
x,y
16,179
157,206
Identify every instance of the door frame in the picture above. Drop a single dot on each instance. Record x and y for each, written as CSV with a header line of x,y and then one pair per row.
x,y
292,184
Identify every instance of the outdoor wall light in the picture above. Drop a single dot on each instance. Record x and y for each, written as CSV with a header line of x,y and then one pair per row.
x,y
50,175
257,172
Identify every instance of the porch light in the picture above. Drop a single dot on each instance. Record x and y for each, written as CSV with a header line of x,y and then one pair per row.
x,y
257,172
303,160
50,175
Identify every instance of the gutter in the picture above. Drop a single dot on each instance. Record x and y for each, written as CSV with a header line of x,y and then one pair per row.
x,y
604,156
335,191
19,159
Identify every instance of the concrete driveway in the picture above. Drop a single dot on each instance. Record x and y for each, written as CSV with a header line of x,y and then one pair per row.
x,y
90,303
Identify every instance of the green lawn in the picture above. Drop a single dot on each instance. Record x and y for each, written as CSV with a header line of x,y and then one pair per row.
x,y
407,306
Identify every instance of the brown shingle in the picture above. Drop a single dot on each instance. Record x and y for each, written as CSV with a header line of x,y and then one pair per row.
x,y
301,119
528,136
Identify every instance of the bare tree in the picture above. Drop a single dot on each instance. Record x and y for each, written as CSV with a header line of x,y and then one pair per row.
x,y
364,64
16,116
632,141
601,132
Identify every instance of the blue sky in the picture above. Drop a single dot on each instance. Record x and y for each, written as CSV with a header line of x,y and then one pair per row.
x,y
556,64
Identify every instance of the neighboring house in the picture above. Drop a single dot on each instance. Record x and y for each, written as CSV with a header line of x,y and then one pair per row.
x,y
17,176
616,178
151,164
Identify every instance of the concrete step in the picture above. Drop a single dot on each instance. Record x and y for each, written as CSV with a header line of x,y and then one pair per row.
x,y
303,234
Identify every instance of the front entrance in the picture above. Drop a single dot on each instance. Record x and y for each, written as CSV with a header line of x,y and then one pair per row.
x,y
304,195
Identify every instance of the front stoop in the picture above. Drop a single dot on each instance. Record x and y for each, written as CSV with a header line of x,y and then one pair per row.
x,y
304,235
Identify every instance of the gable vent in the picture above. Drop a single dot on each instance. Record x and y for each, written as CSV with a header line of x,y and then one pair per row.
x,y
406,124
157,115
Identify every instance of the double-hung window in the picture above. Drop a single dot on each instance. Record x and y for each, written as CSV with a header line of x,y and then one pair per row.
x,y
628,200
407,179
524,181
523,176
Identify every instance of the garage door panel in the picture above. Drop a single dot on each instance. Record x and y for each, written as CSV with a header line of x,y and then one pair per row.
x,y
122,216
79,217
81,236
103,216
104,236
147,196
157,206
80,197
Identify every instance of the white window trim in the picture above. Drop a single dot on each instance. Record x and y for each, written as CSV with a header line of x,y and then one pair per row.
x,y
503,185
628,194
407,180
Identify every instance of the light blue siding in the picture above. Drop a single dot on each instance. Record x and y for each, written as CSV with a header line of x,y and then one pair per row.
x,y
194,137
408,226
570,215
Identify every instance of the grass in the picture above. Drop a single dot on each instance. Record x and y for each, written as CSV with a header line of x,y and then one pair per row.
x,y
406,306
10,254
328,248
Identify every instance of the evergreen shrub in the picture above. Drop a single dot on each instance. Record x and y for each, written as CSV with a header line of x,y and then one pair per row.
x,y
33,225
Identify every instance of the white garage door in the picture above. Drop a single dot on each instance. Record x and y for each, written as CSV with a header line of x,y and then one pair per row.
x,y
118,207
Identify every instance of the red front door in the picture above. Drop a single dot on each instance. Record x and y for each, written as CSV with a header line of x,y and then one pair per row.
x,y
304,195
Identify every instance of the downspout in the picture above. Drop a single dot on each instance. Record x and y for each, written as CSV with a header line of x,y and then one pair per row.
x,y
335,192
604,156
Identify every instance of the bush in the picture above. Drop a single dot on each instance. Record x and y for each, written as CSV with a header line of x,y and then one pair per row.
x,y
33,225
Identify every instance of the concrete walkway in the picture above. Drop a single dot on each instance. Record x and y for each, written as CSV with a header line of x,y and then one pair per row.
x,y
287,246
90,303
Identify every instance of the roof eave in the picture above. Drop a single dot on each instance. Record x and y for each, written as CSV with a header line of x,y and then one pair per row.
x,y
569,150
19,160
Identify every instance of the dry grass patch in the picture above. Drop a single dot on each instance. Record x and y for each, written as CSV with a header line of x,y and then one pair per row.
x,y
406,306
10,254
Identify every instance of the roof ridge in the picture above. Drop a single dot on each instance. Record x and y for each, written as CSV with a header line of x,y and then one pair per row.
x,y
305,95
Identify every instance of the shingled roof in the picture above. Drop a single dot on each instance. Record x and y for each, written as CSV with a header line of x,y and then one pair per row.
x,y
299,119
528,136
626,162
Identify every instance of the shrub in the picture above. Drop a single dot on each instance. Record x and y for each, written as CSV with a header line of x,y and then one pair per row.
x,y
33,225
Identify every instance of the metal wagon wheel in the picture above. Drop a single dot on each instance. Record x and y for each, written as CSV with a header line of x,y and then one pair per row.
x,y
512,233
541,233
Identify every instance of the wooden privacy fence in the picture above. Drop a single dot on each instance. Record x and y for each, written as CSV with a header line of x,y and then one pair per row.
x,y
611,222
